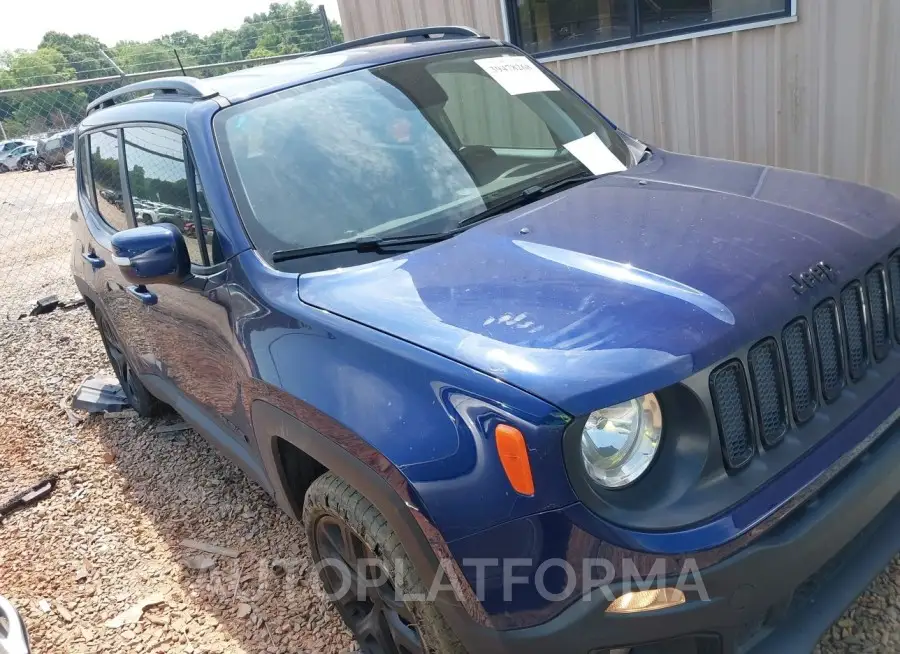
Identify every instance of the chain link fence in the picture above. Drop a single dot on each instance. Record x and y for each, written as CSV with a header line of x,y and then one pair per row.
x,y
43,95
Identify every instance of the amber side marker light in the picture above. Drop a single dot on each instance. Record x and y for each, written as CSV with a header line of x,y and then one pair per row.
x,y
514,457
646,600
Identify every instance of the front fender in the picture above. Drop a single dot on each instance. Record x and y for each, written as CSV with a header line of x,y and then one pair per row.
x,y
426,416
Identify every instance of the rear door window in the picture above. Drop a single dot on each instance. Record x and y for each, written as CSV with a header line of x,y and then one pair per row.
x,y
107,181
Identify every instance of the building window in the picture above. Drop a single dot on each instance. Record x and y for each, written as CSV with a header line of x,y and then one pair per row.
x,y
563,26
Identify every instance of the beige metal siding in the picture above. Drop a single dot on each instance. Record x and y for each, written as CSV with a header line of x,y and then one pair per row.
x,y
364,17
821,94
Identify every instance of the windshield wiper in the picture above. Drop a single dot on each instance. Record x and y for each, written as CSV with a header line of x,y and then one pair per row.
x,y
375,244
367,244
527,196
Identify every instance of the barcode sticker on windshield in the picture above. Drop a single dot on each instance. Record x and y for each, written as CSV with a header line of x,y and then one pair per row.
x,y
593,153
517,75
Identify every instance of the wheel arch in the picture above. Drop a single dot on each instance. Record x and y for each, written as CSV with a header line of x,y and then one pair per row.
x,y
274,428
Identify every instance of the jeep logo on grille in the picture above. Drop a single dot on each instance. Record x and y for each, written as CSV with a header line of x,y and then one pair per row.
x,y
817,274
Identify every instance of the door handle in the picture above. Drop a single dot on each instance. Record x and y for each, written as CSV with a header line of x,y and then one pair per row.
x,y
92,258
141,293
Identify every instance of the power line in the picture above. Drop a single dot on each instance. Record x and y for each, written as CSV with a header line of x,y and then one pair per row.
x,y
204,48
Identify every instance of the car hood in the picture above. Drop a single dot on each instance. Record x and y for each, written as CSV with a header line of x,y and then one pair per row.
x,y
625,284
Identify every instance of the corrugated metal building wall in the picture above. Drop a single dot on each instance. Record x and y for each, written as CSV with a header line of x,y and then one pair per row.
x,y
819,94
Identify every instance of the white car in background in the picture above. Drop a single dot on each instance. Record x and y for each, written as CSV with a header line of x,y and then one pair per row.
x,y
8,146
21,158
70,159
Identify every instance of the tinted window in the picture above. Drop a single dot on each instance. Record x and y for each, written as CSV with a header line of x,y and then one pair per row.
x,y
406,149
545,26
666,15
84,173
107,181
157,176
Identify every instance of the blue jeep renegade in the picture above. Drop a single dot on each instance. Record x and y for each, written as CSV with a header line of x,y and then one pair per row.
x,y
529,384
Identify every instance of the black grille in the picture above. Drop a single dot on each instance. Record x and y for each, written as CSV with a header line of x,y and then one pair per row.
x,y
728,387
894,276
878,313
828,343
854,331
768,388
813,362
799,362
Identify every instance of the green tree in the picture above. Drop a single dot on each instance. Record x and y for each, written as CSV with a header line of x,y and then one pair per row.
x,y
82,53
36,112
285,28
137,57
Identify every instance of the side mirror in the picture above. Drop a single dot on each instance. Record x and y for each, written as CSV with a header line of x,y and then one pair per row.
x,y
152,254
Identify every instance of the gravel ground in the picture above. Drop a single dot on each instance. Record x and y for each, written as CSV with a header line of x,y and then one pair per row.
x,y
110,535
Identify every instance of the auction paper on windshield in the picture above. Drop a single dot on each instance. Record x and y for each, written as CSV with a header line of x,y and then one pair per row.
x,y
593,153
517,75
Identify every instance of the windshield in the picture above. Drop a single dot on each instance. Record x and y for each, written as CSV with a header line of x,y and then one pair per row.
x,y
406,149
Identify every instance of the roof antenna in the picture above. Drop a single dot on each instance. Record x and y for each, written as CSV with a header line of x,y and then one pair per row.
x,y
179,62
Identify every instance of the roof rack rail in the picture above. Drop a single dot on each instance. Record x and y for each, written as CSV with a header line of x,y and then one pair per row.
x,y
412,35
187,87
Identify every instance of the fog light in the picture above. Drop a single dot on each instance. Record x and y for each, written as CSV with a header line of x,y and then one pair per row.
x,y
647,600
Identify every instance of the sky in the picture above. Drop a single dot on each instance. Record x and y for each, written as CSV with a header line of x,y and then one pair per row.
x,y
24,23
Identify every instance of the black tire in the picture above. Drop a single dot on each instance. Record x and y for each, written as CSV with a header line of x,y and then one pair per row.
x,y
332,506
42,166
138,396
3,169
27,165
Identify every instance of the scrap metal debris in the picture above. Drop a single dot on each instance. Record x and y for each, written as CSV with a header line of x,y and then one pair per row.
x,y
199,562
132,615
100,394
32,495
49,304
44,305
210,549
168,429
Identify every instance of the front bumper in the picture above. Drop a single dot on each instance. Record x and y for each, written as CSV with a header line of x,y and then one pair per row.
x,y
778,594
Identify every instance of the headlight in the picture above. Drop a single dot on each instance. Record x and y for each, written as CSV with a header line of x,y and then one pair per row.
x,y
619,443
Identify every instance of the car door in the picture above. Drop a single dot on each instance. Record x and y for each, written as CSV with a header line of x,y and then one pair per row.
x,y
104,215
188,326
50,147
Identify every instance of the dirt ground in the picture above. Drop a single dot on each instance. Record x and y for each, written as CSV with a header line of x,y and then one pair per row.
x,y
111,536
35,236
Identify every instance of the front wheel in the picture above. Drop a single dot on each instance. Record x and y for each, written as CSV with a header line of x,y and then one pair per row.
x,y
344,531
3,169
28,165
